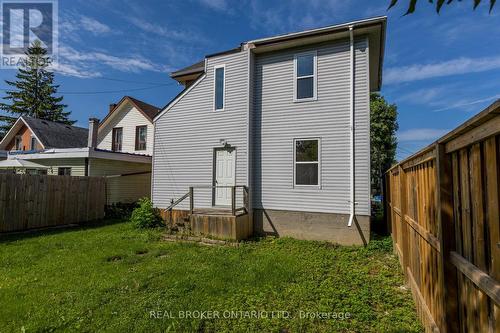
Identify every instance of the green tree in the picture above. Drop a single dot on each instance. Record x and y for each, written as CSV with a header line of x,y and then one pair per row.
x,y
34,91
383,127
439,4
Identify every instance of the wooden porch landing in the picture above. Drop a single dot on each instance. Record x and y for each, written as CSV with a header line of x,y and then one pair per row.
x,y
216,212
213,222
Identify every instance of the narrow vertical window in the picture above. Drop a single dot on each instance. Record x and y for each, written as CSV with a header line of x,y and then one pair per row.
x,y
33,143
140,137
220,86
307,168
18,142
305,77
117,139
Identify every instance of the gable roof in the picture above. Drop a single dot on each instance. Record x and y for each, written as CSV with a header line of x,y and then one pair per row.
x,y
149,111
50,134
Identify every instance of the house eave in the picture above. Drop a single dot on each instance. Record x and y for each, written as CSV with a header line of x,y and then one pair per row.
x,y
82,153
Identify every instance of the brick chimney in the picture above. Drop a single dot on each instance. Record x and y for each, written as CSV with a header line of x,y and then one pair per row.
x,y
111,107
93,127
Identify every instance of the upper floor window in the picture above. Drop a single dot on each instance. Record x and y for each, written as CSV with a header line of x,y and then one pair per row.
x,y
220,87
33,143
141,133
18,143
116,145
307,162
305,78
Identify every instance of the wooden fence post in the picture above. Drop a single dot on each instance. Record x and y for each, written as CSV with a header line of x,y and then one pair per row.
x,y
446,232
403,204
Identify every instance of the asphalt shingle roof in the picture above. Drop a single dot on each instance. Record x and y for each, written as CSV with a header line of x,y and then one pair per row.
x,y
57,135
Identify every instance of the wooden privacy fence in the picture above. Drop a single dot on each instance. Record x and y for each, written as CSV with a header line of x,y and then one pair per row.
x,y
443,212
35,201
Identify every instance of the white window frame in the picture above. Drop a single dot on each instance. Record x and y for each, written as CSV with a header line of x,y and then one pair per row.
x,y
318,186
314,76
223,87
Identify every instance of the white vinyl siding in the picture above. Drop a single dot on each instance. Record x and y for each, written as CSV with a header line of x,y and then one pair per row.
x,y
186,135
277,121
128,118
77,165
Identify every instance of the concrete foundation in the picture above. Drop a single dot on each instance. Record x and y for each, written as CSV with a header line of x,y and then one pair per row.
x,y
312,226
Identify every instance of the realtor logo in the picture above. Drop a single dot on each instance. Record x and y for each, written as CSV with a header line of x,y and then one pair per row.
x,y
23,22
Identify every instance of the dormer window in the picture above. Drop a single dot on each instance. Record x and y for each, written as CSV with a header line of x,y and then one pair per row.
x,y
220,87
305,77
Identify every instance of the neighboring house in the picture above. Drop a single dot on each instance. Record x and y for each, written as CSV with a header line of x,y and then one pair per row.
x,y
275,114
75,151
3,155
128,127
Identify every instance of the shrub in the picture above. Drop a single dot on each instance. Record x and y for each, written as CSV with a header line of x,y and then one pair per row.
x,y
119,210
146,216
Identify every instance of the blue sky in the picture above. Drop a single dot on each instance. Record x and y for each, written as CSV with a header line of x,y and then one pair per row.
x,y
439,69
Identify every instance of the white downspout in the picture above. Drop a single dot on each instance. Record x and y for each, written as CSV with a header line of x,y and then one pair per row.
x,y
351,127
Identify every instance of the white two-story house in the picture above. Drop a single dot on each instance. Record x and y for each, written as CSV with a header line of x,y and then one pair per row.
x,y
288,117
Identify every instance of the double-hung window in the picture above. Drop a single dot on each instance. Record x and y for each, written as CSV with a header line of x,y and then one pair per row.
x,y
219,87
116,144
140,137
307,162
305,80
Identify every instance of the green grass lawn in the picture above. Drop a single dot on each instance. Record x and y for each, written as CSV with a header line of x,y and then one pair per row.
x,y
113,278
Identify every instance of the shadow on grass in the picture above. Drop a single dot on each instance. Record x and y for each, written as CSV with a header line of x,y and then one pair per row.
x,y
26,234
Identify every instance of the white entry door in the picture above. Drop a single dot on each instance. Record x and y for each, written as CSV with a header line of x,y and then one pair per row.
x,y
224,175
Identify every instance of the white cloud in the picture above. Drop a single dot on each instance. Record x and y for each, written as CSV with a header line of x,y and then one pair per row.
x,y
94,26
462,104
73,26
450,67
424,96
161,30
75,71
215,4
421,134
86,64
294,15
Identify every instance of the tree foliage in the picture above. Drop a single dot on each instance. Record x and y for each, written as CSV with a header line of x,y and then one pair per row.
x,y
412,5
34,91
383,120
